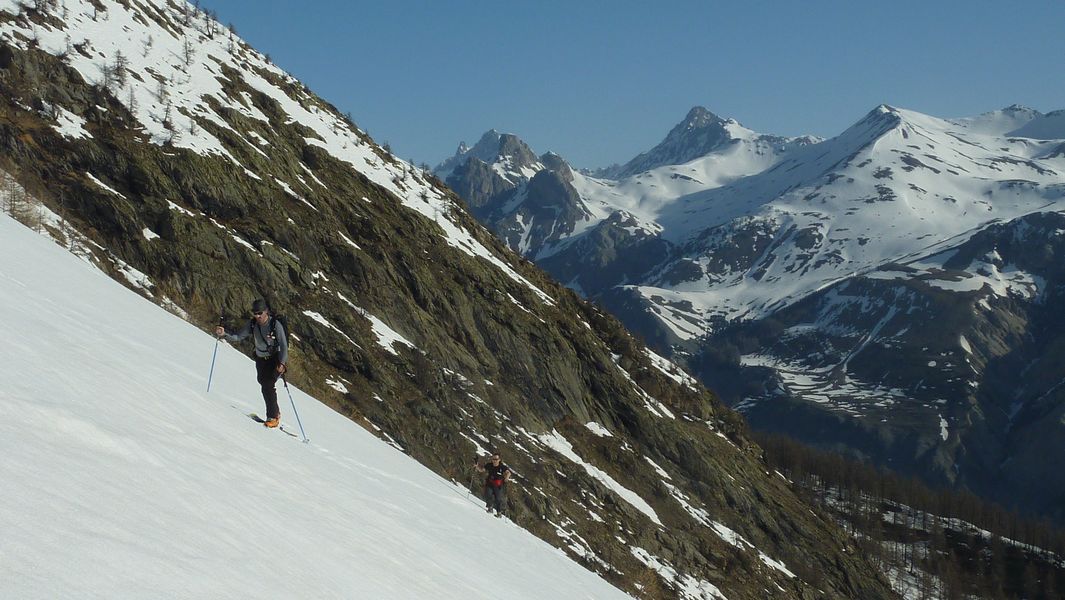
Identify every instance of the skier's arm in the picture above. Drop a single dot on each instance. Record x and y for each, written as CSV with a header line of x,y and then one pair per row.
x,y
282,343
234,337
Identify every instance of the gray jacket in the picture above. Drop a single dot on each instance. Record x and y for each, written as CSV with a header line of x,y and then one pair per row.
x,y
267,343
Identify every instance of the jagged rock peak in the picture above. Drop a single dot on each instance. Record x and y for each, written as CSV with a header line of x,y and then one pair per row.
x,y
513,146
486,149
699,117
550,156
554,162
700,133
494,147
699,120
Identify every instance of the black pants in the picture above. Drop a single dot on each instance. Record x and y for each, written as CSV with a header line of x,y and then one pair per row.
x,y
494,497
266,371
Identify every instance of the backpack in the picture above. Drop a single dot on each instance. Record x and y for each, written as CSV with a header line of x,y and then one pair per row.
x,y
284,325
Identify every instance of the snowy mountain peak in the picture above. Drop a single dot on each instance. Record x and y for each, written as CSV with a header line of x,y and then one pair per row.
x,y
505,153
700,133
1013,121
1020,109
884,112
554,162
874,125
487,144
998,122
699,117
1050,126
486,149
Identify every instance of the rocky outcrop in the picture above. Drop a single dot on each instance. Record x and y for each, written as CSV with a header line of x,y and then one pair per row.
x,y
700,133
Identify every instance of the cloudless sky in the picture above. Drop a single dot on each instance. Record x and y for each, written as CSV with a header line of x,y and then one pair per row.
x,y
599,82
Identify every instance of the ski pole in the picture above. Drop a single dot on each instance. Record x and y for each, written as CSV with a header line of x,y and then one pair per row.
x,y
469,488
214,356
305,440
211,374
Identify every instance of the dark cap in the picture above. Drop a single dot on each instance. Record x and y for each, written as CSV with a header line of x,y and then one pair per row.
x,y
259,306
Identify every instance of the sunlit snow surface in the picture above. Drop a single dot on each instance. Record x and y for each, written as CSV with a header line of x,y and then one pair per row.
x,y
124,478
897,186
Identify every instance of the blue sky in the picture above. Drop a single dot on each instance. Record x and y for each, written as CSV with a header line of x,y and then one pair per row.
x,y
599,82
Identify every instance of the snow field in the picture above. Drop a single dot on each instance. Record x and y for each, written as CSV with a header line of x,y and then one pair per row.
x,y
124,478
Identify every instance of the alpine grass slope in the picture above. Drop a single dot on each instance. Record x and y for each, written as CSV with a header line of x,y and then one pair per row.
x,y
153,142
888,292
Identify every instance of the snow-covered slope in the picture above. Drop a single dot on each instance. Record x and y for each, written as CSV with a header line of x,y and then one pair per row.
x,y
1050,126
175,67
897,184
998,122
124,478
759,222
644,196
700,134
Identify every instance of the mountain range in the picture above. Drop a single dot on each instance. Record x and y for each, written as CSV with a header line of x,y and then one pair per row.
x,y
155,144
886,292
